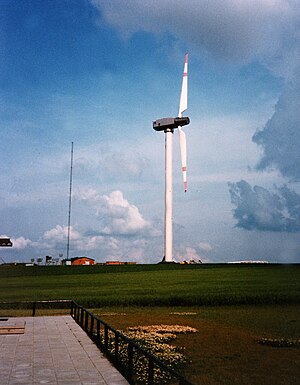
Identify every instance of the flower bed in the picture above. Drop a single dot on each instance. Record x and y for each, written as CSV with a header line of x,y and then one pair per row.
x,y
176,329
155,339
279,342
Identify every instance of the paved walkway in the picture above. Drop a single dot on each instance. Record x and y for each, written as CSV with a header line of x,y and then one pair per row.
x,y
54,351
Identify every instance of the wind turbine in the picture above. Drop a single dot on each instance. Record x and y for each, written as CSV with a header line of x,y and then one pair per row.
x,y
168,125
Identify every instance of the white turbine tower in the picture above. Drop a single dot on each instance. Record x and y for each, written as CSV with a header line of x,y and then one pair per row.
x,y
168,125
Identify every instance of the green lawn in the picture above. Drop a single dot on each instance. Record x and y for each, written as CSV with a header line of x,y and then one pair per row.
x,y
153,285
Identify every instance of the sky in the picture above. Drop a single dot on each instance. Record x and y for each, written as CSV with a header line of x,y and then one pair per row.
x,y
98,73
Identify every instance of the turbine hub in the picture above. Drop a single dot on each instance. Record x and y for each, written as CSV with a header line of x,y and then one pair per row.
x,y
170,123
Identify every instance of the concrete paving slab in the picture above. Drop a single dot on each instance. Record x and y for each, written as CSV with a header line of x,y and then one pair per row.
x,y
53,351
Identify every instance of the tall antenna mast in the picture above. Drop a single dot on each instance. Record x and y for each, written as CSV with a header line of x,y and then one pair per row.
x,y
70,202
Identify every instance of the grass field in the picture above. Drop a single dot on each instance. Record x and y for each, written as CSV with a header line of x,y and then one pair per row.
x,y
153,285
231,306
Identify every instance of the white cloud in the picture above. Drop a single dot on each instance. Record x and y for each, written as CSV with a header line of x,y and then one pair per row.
x,y
21,243
188,254
205,246
191,253
60,234
98,242
116,215
119,232
101,247
56,239
239,30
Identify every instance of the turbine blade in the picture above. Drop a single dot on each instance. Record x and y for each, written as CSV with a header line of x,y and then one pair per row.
x,y
182,143
184,88
182,108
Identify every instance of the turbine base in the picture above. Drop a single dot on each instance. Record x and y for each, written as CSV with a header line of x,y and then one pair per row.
x,y
164,261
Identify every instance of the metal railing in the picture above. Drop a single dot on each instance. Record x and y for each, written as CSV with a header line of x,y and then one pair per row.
x,y
33,306
127,356
135,363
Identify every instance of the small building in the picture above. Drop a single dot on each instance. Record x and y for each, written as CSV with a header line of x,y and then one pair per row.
x,y
76,261
119,263
114,263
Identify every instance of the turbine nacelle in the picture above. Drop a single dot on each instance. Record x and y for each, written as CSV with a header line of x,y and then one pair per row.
x,y
170,123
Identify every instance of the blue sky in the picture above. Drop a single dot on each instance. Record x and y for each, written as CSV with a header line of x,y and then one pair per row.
x,y
98,73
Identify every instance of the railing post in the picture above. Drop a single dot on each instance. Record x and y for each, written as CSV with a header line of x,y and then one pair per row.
x,y
130,359
33,308
86,321
105,338
71,310
92,326
98,330
116,347
151,372
81,317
